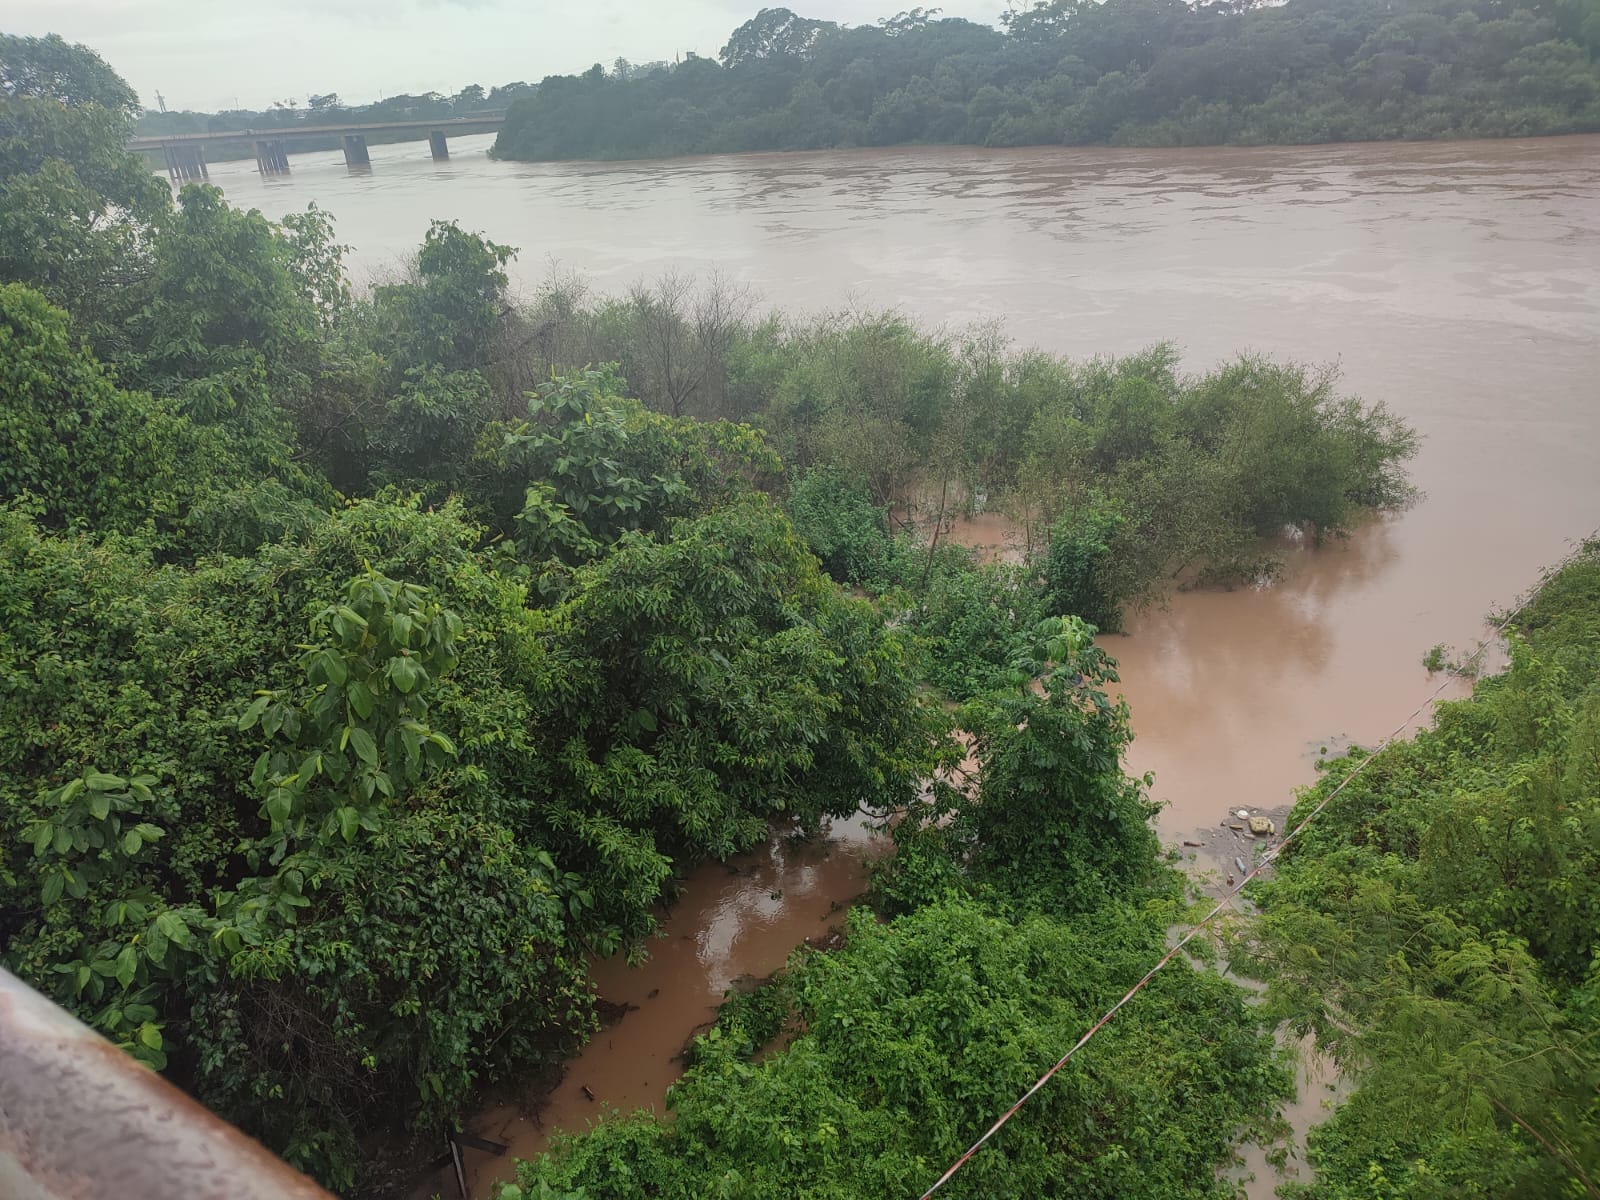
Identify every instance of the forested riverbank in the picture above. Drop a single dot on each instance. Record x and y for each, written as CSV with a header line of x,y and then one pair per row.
x,y
369,659
1436,930
1063,72
1433,929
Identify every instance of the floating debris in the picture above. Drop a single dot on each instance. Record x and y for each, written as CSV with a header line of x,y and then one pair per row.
x,y
1262,827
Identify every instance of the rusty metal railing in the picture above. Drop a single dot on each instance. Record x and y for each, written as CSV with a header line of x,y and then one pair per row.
x,y
80,1120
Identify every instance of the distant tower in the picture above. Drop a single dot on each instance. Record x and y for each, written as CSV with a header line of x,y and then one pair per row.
x,y
161,101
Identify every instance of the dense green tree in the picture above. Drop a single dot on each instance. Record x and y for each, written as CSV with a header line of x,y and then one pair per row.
x,y
842,526
914,1035
1199,469
709,681
74,447
224,292
588,464
904,1043
209,466
646,734
1049,822
1077,565
1144,72
448,315
71,75
75,207
774,33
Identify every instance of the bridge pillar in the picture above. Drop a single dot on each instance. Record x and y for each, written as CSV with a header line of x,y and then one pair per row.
x,y
186,161
272,158
436,143
355,150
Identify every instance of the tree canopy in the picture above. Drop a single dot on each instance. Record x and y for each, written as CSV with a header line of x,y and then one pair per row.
x,y
1072,72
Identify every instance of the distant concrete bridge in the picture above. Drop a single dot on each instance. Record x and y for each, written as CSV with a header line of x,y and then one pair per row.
x,y
186,152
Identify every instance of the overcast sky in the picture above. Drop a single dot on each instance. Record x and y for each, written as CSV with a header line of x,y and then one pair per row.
x,y
212,54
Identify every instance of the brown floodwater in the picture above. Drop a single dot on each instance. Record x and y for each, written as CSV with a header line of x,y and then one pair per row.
x,y
737,921
1459,282
992,536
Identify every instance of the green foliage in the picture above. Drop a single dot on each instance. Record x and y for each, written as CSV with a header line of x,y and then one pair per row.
x,y
209,467
1155,477
422,964
1126,72
1436,929
974,623
448,315
430,429
87,837
915,1034
316,261
1297,453
362,742
70,75
1168,479
75,448
583,492
360,960
710,681
1049,822
1076,564
635,726
844,529
225,291
589,464
74,205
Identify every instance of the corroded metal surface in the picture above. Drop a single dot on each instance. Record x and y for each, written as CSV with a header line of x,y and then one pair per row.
x,y
80,1120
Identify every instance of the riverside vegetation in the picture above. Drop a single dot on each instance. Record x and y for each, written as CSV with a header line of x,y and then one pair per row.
x,y
1077,72
1434,930
368,660
1437,928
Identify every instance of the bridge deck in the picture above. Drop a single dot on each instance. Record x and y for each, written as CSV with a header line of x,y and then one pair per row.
x,y
423,128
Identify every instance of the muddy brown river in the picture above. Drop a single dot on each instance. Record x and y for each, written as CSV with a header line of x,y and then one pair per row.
x,y
1459,282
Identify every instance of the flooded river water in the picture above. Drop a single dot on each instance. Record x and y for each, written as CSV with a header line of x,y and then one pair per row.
x,y
737,921
1458,282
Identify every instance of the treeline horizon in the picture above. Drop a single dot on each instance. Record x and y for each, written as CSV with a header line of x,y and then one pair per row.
x,y
1071,72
